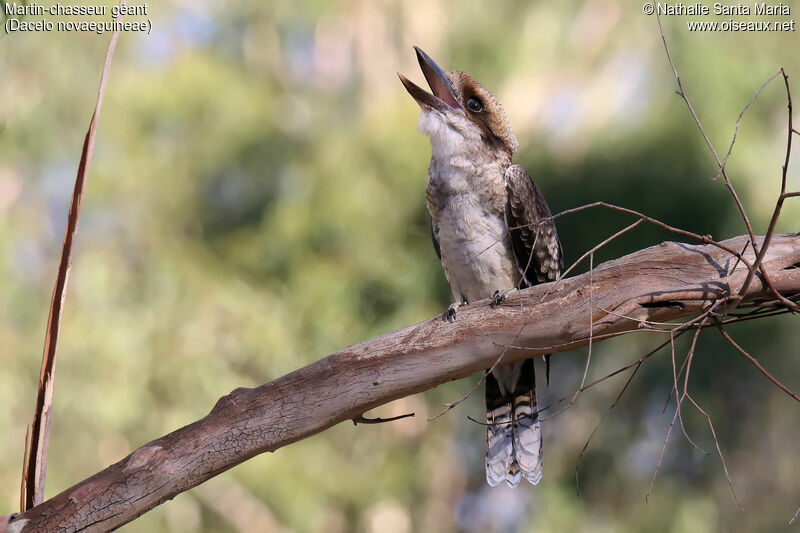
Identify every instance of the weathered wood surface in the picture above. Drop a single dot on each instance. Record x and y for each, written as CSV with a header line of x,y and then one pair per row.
x,y
661,283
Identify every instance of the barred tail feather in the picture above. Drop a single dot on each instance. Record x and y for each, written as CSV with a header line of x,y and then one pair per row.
x,y
514,435
527,432
499,444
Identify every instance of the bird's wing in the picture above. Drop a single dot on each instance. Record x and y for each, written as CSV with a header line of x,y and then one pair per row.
x,y
533,233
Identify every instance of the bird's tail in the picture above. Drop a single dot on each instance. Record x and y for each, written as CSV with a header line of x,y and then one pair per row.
x,y
514,434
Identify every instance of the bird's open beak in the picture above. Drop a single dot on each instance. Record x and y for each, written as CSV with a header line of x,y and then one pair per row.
x,y
443,97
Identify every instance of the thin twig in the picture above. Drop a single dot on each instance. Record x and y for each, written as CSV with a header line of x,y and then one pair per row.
x,y
600,245
755,363
764,312
638,365
778,206
675,416
744,249
703,323
685,97
661,455
513,420
643,323
690,356
361,419
798,509
674,385
452,405
614,373
703,239
739,120
589,354
677,399
729,184
719,450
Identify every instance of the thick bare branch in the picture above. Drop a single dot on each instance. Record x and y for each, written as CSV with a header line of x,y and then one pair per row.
x,y
661,283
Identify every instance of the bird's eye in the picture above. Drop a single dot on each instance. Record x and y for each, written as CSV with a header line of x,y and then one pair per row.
x,y
474,105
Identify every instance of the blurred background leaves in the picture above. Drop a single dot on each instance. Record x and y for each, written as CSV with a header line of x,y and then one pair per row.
x,y
257,201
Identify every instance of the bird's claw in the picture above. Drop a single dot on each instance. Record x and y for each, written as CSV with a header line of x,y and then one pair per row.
x,y
449,316
500,296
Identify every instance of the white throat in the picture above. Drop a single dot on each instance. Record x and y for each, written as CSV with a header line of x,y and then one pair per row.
x,y
447,142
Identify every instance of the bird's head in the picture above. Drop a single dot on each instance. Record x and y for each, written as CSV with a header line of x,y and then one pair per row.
x,y
460,110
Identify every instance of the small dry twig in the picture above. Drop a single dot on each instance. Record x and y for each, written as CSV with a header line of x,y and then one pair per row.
x,y
675,387
682,93
615,372
755,362
719,450
739,120
637,365
753,268
674,417
591,339
778,206
450,406
361,419
686,396
798,509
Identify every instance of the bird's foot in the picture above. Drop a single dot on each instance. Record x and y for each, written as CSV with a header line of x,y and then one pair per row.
x,y
449,316
499,296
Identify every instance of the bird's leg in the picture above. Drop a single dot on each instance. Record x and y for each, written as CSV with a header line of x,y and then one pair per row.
x,y
499,296
450,315
547,368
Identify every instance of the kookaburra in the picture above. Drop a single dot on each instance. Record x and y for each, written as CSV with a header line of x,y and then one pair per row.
x,y
494,233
